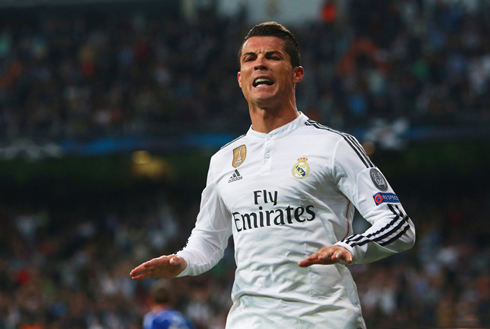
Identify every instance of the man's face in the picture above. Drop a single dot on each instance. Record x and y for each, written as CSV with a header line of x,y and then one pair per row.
x,y
266,75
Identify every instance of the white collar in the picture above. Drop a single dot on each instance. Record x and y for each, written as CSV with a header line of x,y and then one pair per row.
x,y
281,131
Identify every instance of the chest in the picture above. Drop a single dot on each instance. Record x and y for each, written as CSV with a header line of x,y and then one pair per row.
x,y
273,173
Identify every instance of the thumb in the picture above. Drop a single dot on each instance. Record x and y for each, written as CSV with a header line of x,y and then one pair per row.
x,y
175,261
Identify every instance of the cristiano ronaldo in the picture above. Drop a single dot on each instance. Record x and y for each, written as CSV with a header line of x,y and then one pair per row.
x,y
287,191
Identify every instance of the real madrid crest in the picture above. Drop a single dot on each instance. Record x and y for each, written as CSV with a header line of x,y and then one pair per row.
x,y
301,169
239,155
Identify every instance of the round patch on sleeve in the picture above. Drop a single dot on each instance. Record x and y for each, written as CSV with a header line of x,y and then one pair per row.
x,y
378,180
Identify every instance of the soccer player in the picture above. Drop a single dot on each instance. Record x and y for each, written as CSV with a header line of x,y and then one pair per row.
x,y
287,191
162,315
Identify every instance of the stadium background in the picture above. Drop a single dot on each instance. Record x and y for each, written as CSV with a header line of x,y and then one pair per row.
x,y
110,110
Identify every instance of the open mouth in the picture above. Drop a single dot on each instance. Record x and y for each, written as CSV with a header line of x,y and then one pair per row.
x,y
262,82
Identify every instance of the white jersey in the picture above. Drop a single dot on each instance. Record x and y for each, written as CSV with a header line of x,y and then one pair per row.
x,y
283,196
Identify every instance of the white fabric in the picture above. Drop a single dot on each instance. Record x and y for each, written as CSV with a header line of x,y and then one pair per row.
x,y
294,218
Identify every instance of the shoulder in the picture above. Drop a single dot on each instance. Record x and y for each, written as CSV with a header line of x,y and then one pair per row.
x,y
345,143
233,143
229,148
317,129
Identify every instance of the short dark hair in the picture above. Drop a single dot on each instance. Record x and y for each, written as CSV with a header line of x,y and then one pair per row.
x,y
160,292
273,29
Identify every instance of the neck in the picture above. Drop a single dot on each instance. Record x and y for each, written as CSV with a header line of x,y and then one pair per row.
x,y
265,119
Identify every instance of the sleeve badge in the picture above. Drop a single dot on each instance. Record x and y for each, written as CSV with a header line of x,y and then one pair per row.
x,y
378,180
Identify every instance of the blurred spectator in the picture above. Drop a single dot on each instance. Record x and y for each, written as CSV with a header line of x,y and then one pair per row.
x,y
162,315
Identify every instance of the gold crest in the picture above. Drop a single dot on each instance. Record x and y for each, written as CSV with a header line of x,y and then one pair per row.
x,y
239,155
301,169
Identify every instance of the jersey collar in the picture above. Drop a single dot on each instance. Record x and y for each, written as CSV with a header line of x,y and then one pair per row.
x,y
281,131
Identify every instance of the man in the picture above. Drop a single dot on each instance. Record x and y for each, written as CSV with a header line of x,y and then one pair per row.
x,y
286,191
162,315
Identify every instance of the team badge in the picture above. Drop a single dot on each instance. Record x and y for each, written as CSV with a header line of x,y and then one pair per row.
x,y
378,180
301,169
239,155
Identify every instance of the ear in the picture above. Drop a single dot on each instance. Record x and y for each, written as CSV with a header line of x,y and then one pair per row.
x,y
299,73
239,77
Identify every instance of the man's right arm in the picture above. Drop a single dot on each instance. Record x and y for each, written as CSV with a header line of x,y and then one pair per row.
x,y
205,246
209,238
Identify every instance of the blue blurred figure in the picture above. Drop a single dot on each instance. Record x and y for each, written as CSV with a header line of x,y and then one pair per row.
x,y
162,315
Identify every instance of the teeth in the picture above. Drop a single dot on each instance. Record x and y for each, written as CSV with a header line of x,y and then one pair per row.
x,y
263,80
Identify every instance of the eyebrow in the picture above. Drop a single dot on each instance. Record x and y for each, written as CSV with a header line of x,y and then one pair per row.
x,y
270,52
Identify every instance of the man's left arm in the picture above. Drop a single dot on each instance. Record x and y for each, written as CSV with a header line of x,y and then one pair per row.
x,y
392,231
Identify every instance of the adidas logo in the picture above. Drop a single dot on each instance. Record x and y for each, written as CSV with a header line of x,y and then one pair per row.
x,y
236,176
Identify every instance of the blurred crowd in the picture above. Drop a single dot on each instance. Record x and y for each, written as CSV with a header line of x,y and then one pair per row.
x,y
67,266
84,73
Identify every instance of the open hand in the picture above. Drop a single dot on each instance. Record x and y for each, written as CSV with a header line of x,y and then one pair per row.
x,y
328,255
165,267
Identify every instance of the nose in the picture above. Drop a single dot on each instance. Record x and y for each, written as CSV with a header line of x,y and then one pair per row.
x,y
260,64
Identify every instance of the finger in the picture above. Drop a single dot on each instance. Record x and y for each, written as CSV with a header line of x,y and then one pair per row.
x,y
175,261
139,277
346,256
343,257
338,257
321,257
327,255
142,268
305,263
136,271
310,260
316,261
